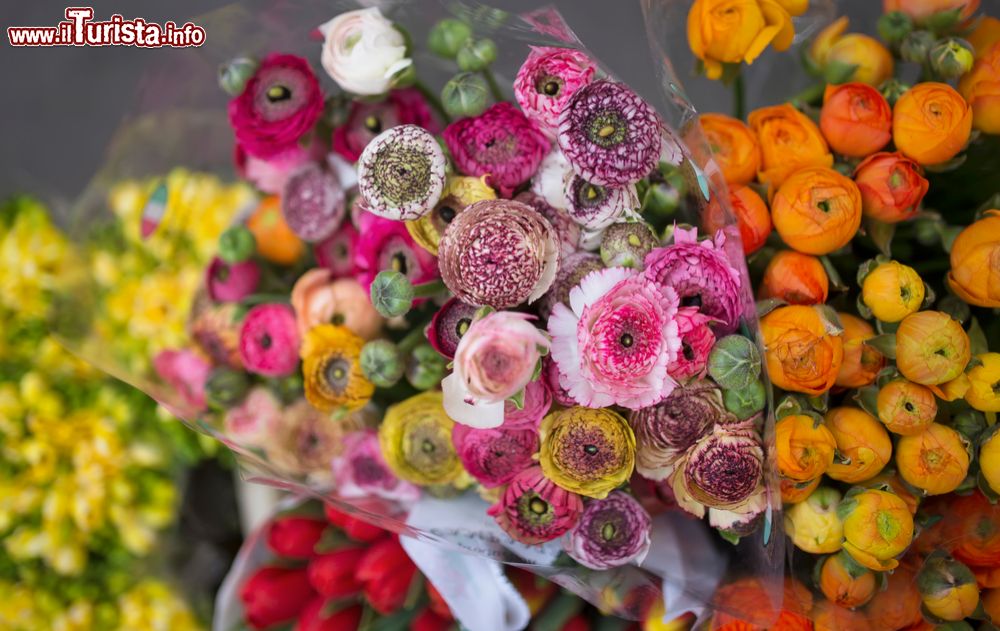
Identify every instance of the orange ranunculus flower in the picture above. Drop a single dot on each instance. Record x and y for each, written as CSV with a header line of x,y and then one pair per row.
x,y
796,278
976,529
898,605
931,123
986,33
981,88
802,349
753,217
861,439
733,145
892,291
817,210
788,141
856,120
746,604
318,298
829,616
276,242
892,187
989,459
920,10
733,31
983,392
931,348
862,363
793,492
948,588
906,408
935,461
805,447
878,526
895,484
975,262
873,61
991,602
846,583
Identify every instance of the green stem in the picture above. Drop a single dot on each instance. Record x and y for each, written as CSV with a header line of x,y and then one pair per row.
x,y
414,337
491,81
739,96
259,299
433,99
809,95
425,290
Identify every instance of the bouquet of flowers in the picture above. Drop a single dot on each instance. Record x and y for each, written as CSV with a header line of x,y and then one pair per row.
x,y
516,320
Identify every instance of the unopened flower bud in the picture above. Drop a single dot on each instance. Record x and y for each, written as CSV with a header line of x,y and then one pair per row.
x,y
916,45
425,368
734,362
448,36
476,55
894,26
948,588
627,244
951,58
391,293
745,402
289,388
226,387
237,244
382,363
892,90
234,75
465,95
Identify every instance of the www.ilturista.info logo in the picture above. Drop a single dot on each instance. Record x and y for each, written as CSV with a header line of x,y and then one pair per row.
x,y
80,29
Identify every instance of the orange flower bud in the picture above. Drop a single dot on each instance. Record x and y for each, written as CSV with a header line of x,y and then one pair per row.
x,y
734,147
753,217
878,526
861,363
788,141
986,33
276,242
846,583
872,61
931,348
803,350
906,408
829,616
855,120
861,439
796,278
920,10
896,485
935,461
981,88
898,605
975,262
976,529
931,123
989,460
793,492
805,447
731,31
817,210
892,187
892,291
984,383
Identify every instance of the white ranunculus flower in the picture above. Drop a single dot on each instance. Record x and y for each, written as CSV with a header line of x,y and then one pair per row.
x,y
362,51
550,181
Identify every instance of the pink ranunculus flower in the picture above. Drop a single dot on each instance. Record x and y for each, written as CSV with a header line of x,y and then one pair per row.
x,y
534,510
231,282
269,340
547,79
494,456
318,298
269,174
279,104
536,404
336,252
495,360
361,471
368,119
501,143
186,372
697,341
701,275
250,423
553,379
614,344
384,244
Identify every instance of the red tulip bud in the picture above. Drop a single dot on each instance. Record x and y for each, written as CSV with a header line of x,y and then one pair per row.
x,y
334,574
427,620
275,595
312,618
294,537
387,573
352,526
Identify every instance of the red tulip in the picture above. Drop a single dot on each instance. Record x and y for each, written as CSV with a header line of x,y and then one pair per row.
x,y
334,574
387,572
427,620
294,537
312,618
274,595
352,526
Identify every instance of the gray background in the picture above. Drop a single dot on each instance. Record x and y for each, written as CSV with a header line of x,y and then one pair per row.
x,y
60,106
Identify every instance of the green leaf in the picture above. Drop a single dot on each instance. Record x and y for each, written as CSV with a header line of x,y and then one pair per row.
x,y
885,344
867,398
838,72
832,274
882,233
518,399
729,536
788,406
977,338
948,236
768,305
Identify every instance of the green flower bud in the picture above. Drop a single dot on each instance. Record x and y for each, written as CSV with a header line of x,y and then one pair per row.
x,y
627,244
425,367
382,363
466,94
892,90
236,245
226,387
234,75
951,58
734,362
391,294
746,402
476,55
894,26
289,389
970,424
447,37
916,45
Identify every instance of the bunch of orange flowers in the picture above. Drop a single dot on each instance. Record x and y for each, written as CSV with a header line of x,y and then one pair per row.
x,y
868,212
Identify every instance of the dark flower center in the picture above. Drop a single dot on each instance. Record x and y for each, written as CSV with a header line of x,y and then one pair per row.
x,y
399,263
589,195
373,124
427,446
447,213
266,341
909,406
462,326
549,85
591,450
608,531
278,93
338,319
336,374
687,351
402,173
626,340
694,300
538,506
222,273
607,129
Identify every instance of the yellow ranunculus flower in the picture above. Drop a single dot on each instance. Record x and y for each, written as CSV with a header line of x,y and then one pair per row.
x,y
948,588
872,60
589,451
931,348
878,526
331,368
892,291
952,390
734,31
459,191
814,525
989,459
415,438
984,383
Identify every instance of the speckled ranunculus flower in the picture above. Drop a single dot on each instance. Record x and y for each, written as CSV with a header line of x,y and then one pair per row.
x,y
448,325
501,143
700,274
269,340
666,431
567,230
697,340
614,345
587,451
312,202
609,134
572,270
368,119
494,456
550,373
215,331
534,510
725,468
611,532
548,78
336,252
401,173
499,253
594,206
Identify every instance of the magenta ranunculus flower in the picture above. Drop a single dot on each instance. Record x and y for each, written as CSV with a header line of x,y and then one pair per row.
x,y
401,173
269,174
250,423
700,274
279,105
336,252
536,404
611,532
614,343
361,471
596,207
534,510
609,134
368,119
547,79
269,340
186,372
494,456
697,340
448,325
494,361
231,282
500,143
384,244
567,230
